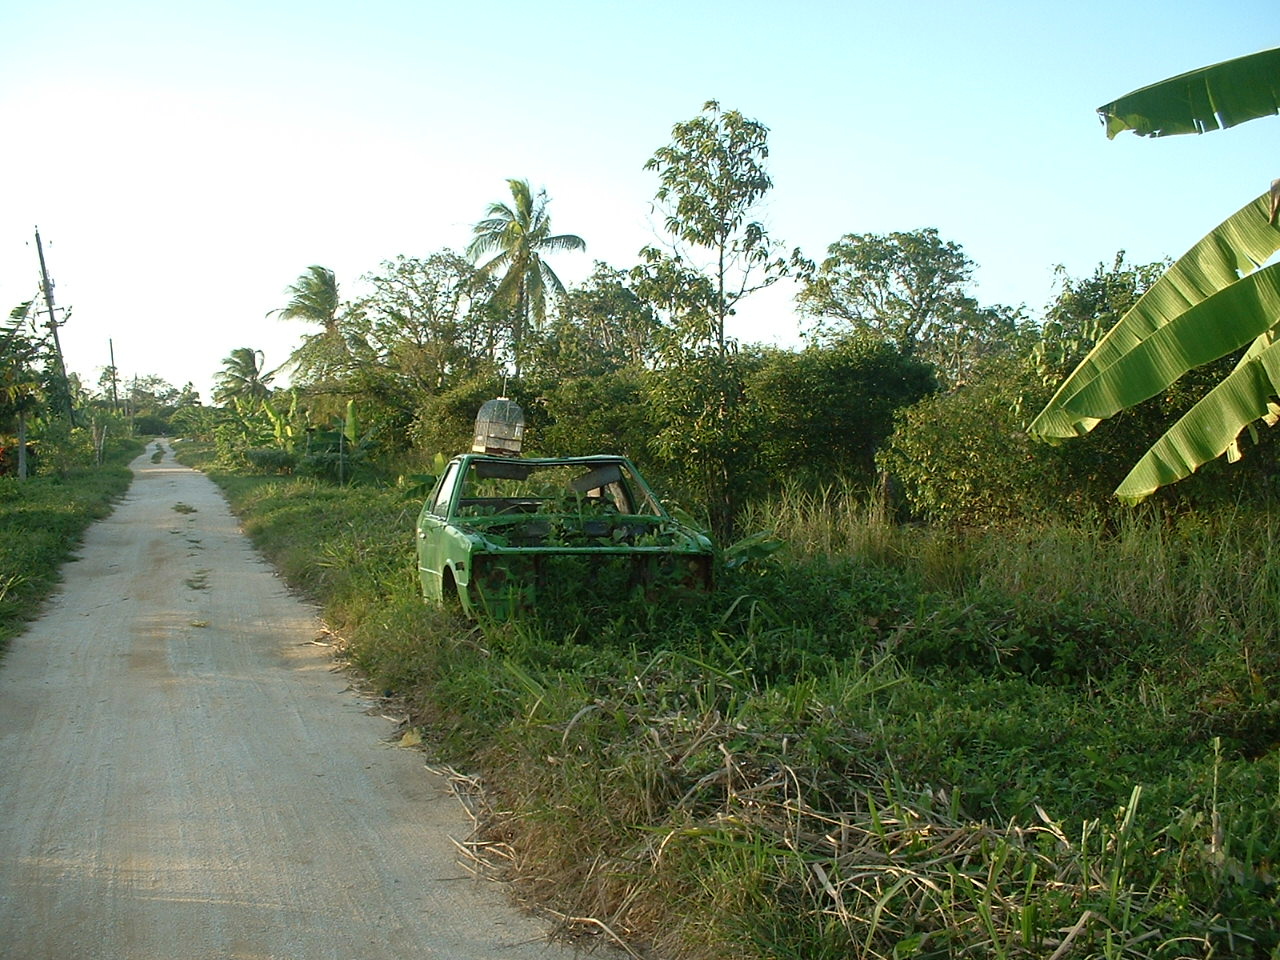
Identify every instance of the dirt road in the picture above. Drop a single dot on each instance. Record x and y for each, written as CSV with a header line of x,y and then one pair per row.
x,y
183,777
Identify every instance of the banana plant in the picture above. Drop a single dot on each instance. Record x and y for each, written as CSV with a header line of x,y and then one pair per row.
x,y
282,424
20,388
1215,299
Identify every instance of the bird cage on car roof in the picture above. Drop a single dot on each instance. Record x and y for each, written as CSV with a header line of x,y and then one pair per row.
x,y
499,428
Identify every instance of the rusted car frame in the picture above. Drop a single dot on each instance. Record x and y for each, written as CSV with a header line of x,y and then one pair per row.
x,y
499,533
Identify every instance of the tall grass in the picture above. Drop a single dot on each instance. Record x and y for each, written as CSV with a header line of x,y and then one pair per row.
x,y
891,741
1189,571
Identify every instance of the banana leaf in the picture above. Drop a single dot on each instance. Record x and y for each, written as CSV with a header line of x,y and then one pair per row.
x,y
1213,328
1211,427
1237,246
349,423
1210,98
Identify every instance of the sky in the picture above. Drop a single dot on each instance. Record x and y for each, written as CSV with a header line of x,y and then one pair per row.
x,y
185,162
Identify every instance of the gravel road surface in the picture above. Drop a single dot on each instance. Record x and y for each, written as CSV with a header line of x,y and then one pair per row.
x,y
184,777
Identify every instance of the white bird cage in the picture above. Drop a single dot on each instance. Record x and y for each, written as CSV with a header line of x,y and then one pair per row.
x,y
499,428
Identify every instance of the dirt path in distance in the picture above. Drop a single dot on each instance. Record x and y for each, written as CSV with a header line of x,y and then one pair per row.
x,y
184,777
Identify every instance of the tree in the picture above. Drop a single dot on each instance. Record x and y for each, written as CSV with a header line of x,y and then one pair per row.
x,y
242,377
961,351
965,456
109,386
425,325
21,392
705,438
824,412
687,298
1084,309
150,400
153,392
711,176
313,298
606,412
1213,301
188,396
520,232
910,289
605,325
427,322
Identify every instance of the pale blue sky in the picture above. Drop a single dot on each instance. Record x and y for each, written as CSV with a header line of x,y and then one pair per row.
x,y
186,162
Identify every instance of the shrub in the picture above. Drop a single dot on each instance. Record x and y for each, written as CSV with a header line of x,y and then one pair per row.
x,y
609,413
822,414
271,460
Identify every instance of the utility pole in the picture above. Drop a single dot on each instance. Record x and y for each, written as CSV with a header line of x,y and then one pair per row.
x,y
47,286
115,399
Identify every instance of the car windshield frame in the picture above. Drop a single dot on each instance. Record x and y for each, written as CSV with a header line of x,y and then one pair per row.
x,y
485,487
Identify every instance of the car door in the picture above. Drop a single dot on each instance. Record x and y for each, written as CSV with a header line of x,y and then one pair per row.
x,y
433,534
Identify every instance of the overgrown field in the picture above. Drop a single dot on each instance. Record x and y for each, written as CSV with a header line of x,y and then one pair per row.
x,y
882,742
42,520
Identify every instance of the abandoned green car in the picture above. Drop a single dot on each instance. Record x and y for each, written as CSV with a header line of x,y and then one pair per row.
x,y
500,533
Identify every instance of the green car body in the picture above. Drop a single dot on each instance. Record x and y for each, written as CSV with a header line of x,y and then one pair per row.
x,y
499,534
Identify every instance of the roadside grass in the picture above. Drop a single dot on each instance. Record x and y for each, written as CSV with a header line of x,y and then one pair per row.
x,y
42,520
885,742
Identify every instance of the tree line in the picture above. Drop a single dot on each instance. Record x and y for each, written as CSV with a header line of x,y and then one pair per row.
x,y
907,384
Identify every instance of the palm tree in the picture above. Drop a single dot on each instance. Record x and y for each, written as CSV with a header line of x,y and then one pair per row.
x,y
242,377
313,298
520,233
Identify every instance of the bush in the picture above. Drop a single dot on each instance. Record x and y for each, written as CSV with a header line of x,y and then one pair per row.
x,y
446,422
823,413
964,457
609,413
271,460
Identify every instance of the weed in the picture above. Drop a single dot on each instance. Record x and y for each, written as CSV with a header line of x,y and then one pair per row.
x,y
884,742
9,582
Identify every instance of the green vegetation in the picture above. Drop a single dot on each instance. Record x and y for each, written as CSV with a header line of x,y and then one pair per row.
x,y
886,741
242,378
42,519
908,289
711,179
972,706
518,235
1218,300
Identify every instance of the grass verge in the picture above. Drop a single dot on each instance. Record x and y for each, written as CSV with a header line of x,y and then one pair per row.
x,y
886,743
42,520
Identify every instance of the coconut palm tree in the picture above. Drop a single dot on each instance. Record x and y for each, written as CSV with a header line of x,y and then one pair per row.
x,y
520,232
313,298
242,377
